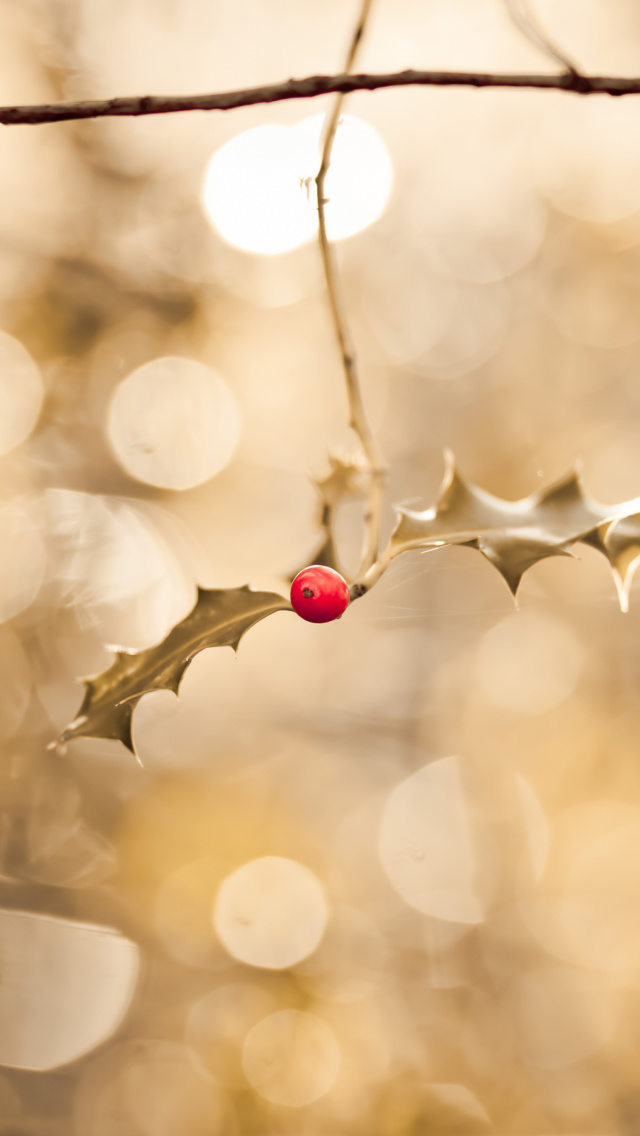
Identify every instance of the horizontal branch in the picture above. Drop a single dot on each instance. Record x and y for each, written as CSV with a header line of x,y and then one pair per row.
x,y
309,88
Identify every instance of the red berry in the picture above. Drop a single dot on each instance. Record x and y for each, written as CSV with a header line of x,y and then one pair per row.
x,y
319,594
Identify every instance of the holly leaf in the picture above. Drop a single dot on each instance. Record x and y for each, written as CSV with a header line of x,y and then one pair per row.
x,y
621,545
515,535
326,555
219,619
343,481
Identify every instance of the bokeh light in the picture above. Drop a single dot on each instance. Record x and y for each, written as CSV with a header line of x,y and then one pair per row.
x,y
476,207
259,191
217,1026
153,1085
426,844
71,986
408,325
291,1058
21,393
62,848
124,566
563,1016
23,563
173,423
588,912
588,158
15,682
432,827
602,899
529,663
350,960
297,916
271,912
590,291
183,914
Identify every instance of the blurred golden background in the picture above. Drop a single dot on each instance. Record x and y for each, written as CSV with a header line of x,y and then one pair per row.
x,y
376,876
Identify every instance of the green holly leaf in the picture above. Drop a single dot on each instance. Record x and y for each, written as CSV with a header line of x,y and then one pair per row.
x,y
219,619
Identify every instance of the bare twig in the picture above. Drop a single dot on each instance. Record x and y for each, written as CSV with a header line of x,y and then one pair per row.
x,y
366,581
522,16
374,464
310,88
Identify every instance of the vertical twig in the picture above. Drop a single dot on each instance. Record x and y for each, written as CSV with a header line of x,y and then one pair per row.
x,y
522,16
375,467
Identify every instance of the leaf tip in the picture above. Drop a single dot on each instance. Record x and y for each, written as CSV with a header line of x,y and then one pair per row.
x,y
450,472
57,746
126,738
623,587
513,583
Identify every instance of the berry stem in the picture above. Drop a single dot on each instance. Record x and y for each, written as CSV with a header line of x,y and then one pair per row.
x,y
366,580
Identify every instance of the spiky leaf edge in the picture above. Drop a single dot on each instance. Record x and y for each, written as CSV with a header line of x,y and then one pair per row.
x,y
171,658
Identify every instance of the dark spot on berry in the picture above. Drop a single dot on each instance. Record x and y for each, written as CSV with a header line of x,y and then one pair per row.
x,y
307,593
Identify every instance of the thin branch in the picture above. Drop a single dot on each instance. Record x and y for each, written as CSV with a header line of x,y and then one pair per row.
x,y
522,16
310,88
375,467
374,572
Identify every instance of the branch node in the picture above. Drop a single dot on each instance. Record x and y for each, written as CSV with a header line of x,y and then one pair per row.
x,y
577,82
